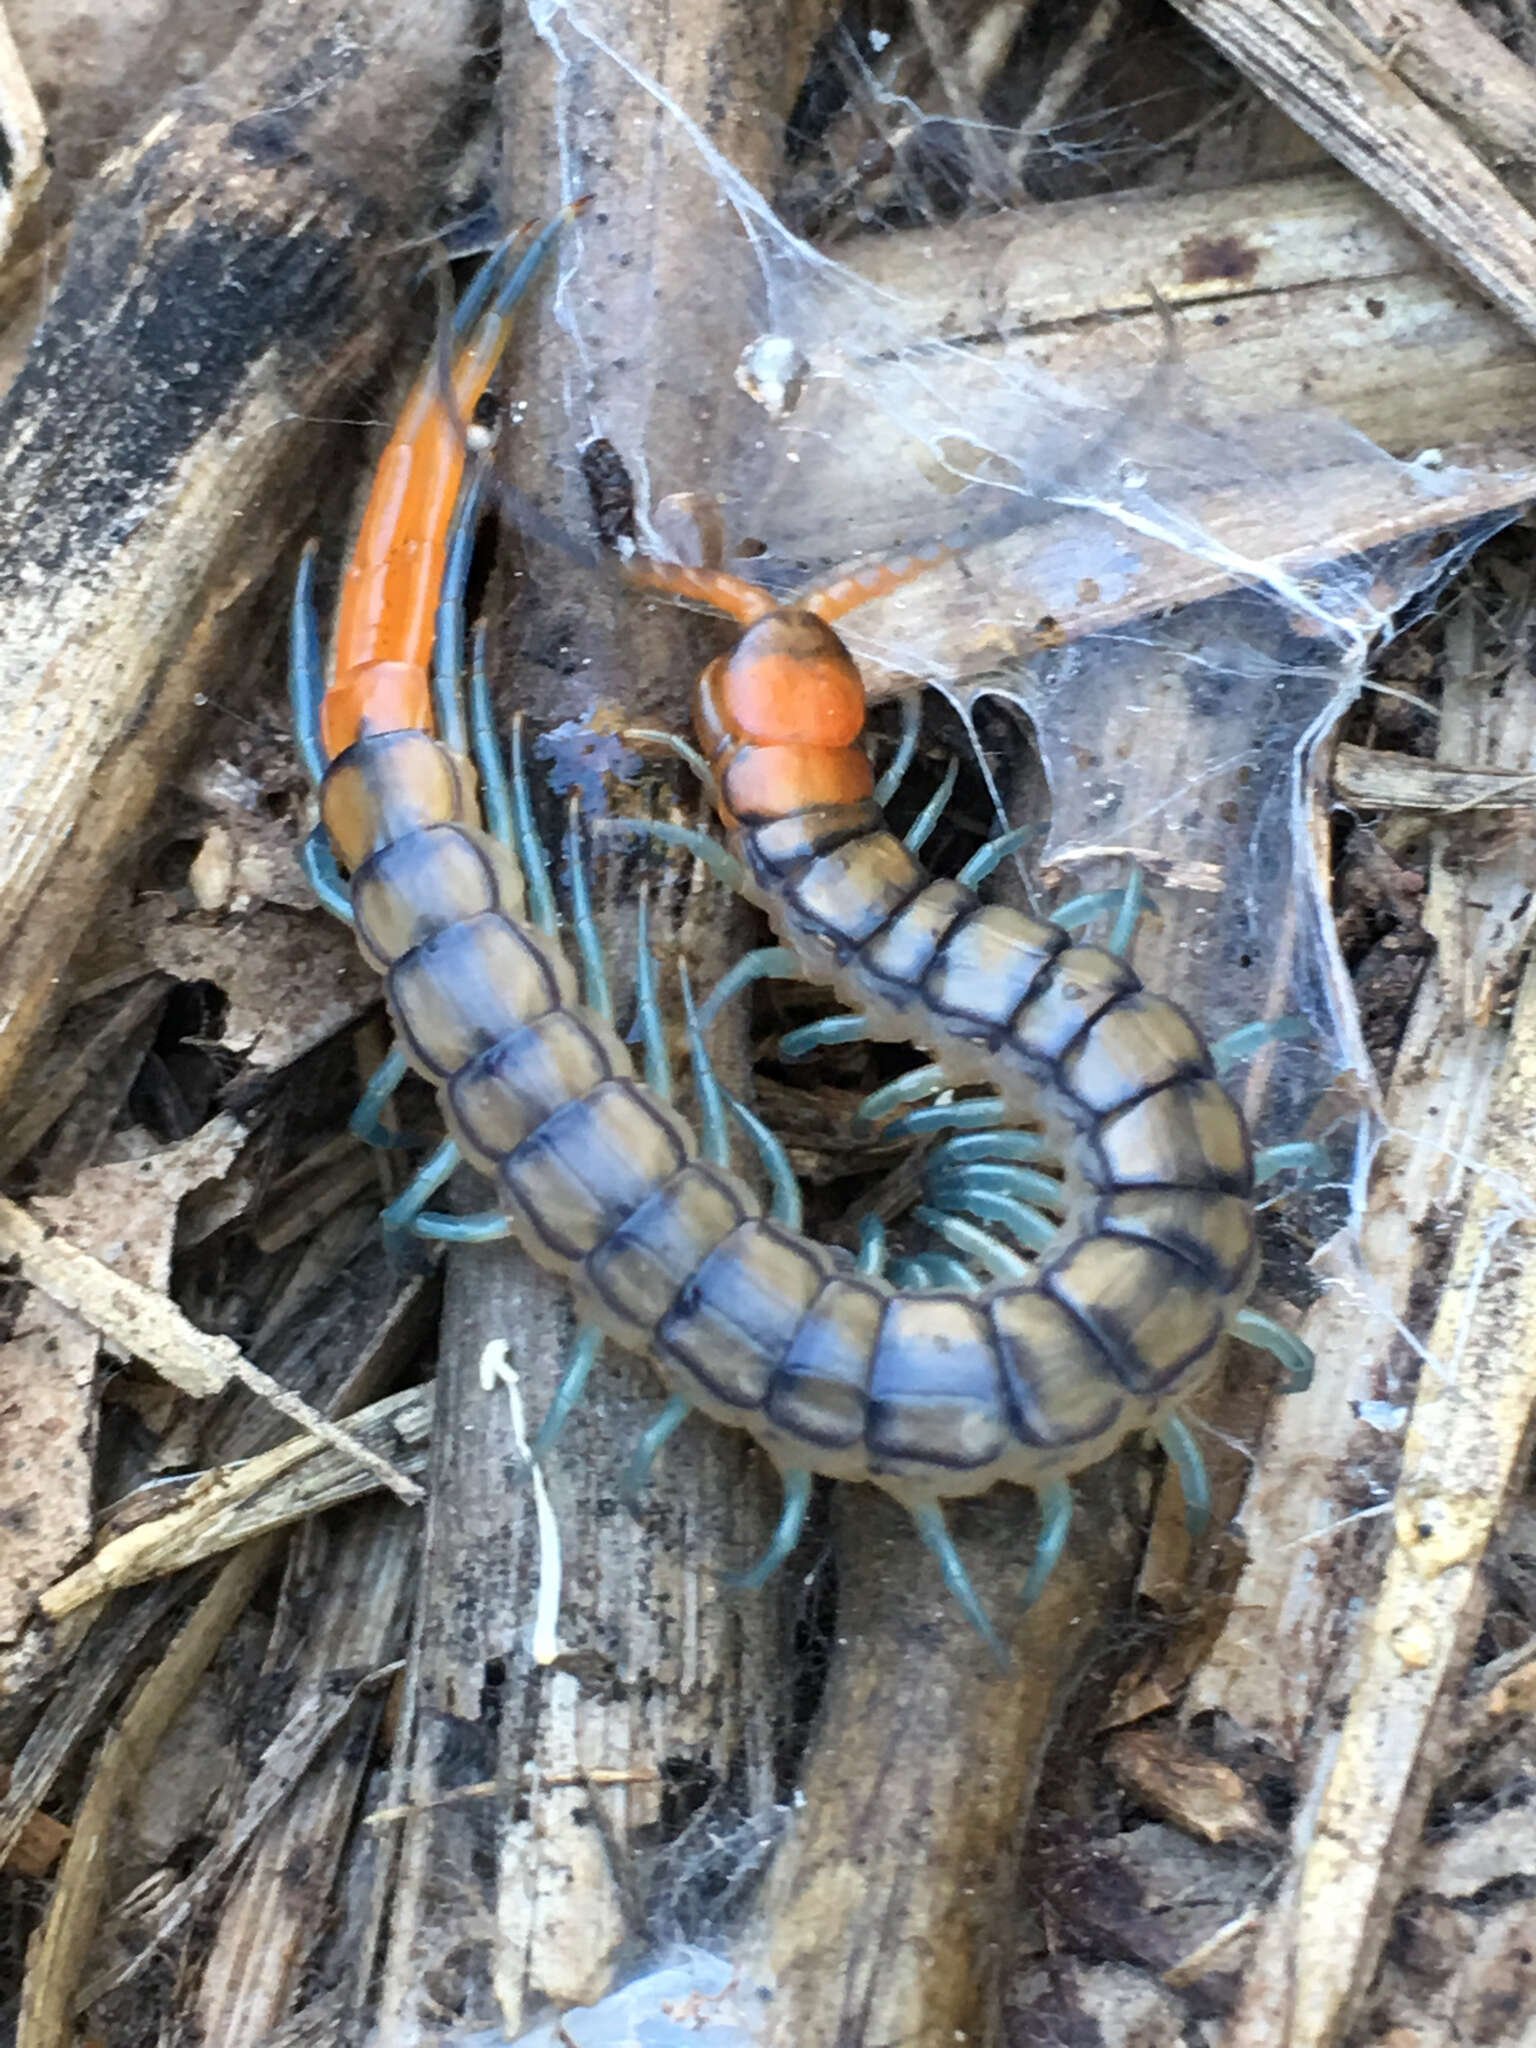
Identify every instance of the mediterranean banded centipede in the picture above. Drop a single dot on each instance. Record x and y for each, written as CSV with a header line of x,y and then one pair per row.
x,y
931,1394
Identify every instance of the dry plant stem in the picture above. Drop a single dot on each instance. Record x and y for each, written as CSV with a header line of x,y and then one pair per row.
x,y
150,1326
1383,781
654,1664
1444,52
884,1917
57,1960
24,135
1337,88
1306,1664
222,287
235,1503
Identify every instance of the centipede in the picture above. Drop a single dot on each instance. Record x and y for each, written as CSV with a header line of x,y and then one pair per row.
x,y
923,1380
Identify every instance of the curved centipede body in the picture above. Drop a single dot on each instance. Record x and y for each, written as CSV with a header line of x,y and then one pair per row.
x,y
928,1393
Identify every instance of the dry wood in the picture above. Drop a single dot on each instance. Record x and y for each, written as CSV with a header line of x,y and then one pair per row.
x,y
1450,59
24,135
219,290
149,1326
1378,780
1339,89
54,1968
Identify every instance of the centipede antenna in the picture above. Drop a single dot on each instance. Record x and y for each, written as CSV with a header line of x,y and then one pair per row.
x,y
1282,1344
530,847
989,1145
895,1094
768,963
674,743
1055,1503
871,1258
1001,1262
921,828
906,747
797,1498
1177,1440
718,859
843,1030
306,676
714,1133
1302,1156
324,877
788,1208
637,1473
1036,1232
1123,931
977,1113
930,1525
482,285
580,1359
993,854
944,1181
366,1121
1234,1047
397,1220
495,797
448,627
1081,910
486,1226
589,945
653,1031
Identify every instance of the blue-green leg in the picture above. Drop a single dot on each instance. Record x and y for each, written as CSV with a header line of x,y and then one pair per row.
x,y
1239,1045
1036,1232
1174,1434
921,829
895,1094
1055,1502
976,1113
324,877
648,1017
714,1134
906,747
637,1473
768,963
366,1121
674,743
787,1207
1280,1343
847,1029
1123,931
930,1525
306,675
529,846
717,858
486,1226
871,1258
993,854
797,1496
999,1260
1300,1156
404,1213
944,1179
589,945
934,1269
583,1356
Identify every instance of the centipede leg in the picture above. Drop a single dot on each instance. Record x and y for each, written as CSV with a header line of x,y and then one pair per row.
x,y
306,674
871,1256
525,831
366,1121
1281,1343
920,830
404,1213
934,1269
846,1029
787,1207
585,1348
714,1134
648,1017
448,627
637,1473
1123,931
1301,1155
948,1182
797,1498
976,1113
324,877
589,945
1055,1502
895,1094
1183,1452
986,1145
674,743
1034,1231
718,859
906,747
1001,1262
929,1521
993,854
1236,1046
768,963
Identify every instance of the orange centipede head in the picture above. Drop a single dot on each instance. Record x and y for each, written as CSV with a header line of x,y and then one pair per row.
x,y
789,681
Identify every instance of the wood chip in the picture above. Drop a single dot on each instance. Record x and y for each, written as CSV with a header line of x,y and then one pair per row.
x,y
1166,1774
